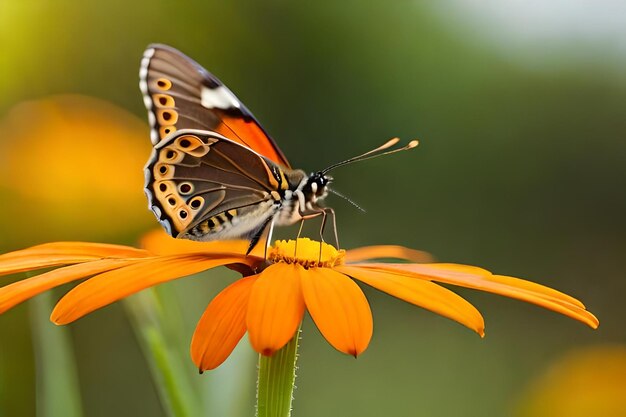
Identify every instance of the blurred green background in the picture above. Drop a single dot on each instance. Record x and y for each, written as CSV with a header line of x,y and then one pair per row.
x,y
520,111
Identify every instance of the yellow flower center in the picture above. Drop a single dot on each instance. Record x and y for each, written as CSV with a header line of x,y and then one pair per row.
x,y
306,252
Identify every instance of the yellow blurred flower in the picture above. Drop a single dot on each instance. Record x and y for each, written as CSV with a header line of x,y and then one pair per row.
x,y
589,382
70,167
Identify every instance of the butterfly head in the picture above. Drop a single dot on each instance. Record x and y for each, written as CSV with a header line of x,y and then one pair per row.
x,y
315,187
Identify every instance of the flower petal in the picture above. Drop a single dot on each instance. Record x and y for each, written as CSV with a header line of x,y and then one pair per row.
x,y
19,291
222,325
488,277
509,287
536,288
63,253
111,286
161,243
339,309
32,262
275,308
98,250
387,251
480,279
422,293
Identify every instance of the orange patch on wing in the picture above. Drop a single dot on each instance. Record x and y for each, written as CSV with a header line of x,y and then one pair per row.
x,y
252,136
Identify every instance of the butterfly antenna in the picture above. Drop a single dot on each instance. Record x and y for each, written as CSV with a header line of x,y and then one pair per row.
x,y
337,193
375,153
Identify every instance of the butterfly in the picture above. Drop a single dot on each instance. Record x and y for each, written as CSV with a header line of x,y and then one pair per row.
x,y
214,172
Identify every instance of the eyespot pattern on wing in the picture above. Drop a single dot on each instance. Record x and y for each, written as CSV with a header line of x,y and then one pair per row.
x,y
164,105
179,201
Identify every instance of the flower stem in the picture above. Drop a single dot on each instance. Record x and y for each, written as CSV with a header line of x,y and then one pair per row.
x,y
58,388
171,376
277,376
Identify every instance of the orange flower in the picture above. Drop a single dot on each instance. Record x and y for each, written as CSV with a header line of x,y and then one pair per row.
x,y
270,300
69,164
589,381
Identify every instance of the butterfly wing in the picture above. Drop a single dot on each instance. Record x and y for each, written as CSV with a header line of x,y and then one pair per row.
x,y
180,94
203,186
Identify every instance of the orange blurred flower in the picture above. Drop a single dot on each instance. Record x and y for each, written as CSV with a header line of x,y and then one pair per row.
x,y
70,167
270,300
586,382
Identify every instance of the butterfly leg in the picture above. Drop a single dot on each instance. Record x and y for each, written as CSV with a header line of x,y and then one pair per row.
x,y
268,241
322,226
331,212
295,250
325,212
311,213
328,212
254,240
300,228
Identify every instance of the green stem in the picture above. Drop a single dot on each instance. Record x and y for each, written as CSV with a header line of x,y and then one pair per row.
x,y
169,368
58,391
277,376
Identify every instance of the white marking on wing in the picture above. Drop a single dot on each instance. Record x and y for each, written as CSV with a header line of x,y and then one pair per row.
x,y
154,135
219,97
143,86
143,70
